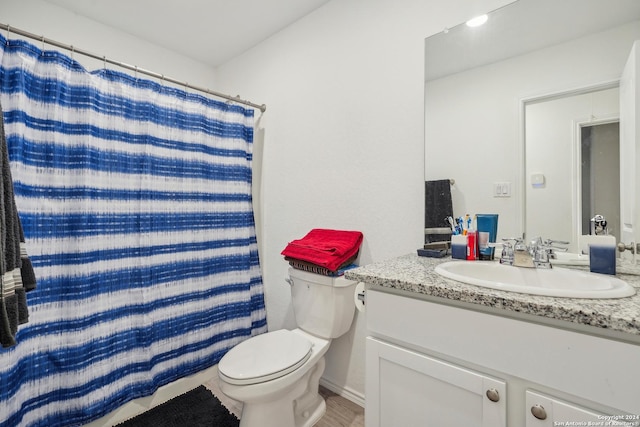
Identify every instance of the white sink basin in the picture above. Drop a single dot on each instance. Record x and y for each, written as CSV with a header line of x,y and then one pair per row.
x,y
555,282
567,258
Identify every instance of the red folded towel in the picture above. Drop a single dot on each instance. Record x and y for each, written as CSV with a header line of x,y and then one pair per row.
x,y
326,248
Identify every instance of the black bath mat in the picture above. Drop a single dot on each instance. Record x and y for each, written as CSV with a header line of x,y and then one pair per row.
x,y
196,408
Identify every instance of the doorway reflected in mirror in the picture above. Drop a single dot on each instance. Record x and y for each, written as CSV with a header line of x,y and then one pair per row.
x,y
600,176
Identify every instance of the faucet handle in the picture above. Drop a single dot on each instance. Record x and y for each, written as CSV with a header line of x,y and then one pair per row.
x,y
507,251
508,244
506,240
553,245
545,252
519,245
542,257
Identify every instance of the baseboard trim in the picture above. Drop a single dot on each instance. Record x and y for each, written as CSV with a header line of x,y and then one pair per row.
x,y
169,391
346,392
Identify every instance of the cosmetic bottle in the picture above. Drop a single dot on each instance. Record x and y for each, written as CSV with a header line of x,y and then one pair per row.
x,y
472,245
487,228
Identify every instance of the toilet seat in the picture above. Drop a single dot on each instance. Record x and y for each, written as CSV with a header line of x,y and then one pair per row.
x,y
264,357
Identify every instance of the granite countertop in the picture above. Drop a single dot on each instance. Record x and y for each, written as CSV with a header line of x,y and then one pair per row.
x,y
416,274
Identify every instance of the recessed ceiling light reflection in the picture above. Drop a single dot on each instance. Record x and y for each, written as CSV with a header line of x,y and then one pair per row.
x,y
477,21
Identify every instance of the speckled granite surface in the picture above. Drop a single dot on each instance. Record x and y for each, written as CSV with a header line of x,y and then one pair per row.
x,y
416,274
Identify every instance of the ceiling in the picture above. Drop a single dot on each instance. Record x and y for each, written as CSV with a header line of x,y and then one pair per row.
x,y
215,30
520,27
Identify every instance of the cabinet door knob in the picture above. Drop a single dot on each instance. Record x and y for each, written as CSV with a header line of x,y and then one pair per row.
x,y
539,412
493,395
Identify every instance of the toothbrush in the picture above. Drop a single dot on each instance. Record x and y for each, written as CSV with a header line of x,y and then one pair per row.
x,y
449,220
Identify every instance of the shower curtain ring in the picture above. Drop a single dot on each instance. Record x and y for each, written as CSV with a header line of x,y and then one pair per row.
x,y
73,50
42,45
136,67
104,62
8,34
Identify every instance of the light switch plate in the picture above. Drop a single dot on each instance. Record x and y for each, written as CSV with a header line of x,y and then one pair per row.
x,y
501,189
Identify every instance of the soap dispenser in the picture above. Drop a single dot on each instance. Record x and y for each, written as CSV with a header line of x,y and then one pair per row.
x,y
602,255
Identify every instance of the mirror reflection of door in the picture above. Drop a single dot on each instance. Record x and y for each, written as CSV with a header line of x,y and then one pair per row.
x,y
630,153
600,175
557,183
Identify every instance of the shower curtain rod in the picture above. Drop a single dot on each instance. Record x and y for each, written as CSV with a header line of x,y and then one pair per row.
x,y
106,60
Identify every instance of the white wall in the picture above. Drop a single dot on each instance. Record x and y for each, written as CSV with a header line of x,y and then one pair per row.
x,y
473,121
341,143
55,23
343,138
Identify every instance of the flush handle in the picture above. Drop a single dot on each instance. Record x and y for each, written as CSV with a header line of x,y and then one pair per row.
x,y
493,395
539,412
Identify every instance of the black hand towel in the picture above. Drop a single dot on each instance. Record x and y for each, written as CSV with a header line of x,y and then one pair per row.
x,y
438,206
16,272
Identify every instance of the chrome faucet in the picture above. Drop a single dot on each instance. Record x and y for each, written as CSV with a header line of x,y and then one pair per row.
x,y
551,246
516,253
535,255
598,226
507,252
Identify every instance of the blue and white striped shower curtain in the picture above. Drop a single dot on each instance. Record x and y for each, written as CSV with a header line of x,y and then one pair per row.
x,y
135,200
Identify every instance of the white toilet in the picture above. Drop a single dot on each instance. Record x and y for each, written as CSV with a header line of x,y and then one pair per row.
x,y
276,374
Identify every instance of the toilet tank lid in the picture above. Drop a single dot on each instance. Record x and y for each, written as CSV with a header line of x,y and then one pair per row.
x,y
265,356
335,281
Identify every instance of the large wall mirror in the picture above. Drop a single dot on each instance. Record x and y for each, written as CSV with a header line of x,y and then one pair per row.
x,y
514,111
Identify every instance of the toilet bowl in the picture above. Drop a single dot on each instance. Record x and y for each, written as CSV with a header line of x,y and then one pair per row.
x,y
276,375
287,396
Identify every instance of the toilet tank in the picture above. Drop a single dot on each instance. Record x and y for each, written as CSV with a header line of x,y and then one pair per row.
x,y
324,306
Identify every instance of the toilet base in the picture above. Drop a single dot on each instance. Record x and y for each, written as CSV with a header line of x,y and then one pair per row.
x,y
314,415
299,406
289,401
310,407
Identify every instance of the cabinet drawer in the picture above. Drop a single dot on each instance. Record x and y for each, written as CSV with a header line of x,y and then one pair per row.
x,y
546,411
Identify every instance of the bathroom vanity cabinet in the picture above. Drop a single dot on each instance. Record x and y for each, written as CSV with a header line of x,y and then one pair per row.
x,y
430,364
434,360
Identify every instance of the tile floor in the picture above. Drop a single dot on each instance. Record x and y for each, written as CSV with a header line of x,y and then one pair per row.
x,y
341,412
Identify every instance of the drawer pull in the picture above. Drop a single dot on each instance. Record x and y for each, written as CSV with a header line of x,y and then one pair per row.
x,y
539,412
493,395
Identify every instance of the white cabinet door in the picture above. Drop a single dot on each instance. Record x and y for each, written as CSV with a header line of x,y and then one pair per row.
x,y
544,410
405,389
